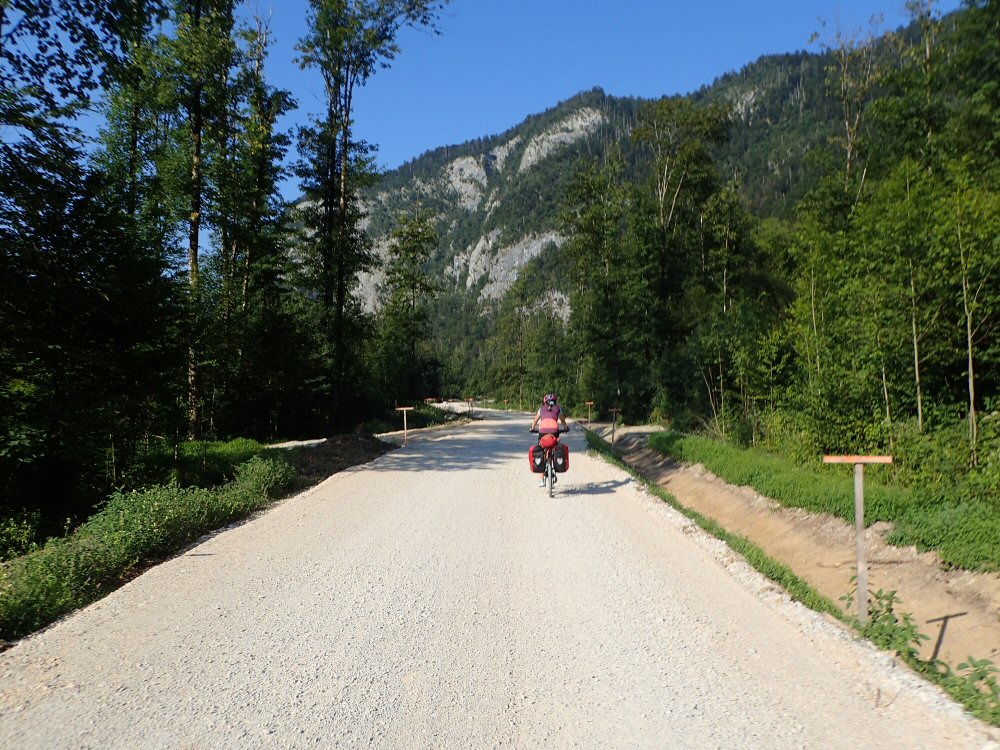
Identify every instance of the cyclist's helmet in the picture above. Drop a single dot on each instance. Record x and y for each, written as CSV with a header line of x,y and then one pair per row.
x,y
550,400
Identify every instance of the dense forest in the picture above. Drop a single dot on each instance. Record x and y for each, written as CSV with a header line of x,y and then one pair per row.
x,y
154,287
846,301
809,265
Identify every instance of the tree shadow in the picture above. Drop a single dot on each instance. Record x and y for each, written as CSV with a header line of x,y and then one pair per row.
x,y
593,488
483,446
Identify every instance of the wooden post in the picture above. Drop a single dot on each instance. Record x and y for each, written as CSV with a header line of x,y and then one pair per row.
x,y
614,421
404,409
590,404
859,521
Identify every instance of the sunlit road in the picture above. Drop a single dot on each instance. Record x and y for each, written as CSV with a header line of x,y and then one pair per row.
x,y
438,598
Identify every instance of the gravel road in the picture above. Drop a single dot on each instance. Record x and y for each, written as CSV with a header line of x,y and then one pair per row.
x,y
437,598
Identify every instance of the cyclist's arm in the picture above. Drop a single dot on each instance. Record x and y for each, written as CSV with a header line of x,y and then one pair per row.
x,y
534,423
562,418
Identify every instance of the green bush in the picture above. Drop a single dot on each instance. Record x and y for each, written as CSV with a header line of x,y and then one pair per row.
x,y
200,463
17,534
966,533
132,530
788,484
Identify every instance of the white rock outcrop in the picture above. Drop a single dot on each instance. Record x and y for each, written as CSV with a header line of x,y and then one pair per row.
x,y
508,262
467,177
569,130
501,152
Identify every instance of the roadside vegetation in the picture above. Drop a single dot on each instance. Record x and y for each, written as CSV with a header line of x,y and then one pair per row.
x,y
954,519
973,683
131,531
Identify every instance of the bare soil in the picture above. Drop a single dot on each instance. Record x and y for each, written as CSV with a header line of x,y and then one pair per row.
x,y
958,610
315,460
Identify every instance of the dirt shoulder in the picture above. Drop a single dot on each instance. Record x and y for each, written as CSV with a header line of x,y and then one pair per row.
x,y
315,460
958,610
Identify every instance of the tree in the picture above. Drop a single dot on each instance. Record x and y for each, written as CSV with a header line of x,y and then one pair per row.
x,y
85,316
611,298
407,292
347,41
968,228
854,76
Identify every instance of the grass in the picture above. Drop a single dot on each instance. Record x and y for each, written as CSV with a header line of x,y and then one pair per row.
x,y
133,530
974,685
964,531
202,463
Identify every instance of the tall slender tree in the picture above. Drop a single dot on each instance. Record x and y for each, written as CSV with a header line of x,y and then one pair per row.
x,y
347,41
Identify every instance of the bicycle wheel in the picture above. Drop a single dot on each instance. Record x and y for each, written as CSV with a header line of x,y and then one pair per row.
x,y
550,469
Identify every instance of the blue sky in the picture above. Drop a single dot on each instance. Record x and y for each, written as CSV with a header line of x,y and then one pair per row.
x,y
498,61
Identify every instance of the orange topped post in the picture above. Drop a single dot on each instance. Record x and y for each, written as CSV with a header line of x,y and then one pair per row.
x,y
404,409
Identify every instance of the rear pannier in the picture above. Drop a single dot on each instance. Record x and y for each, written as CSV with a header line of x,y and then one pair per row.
x,y
536,457
561,455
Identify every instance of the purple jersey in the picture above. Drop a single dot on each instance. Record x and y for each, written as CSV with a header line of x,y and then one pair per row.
x,y
548,419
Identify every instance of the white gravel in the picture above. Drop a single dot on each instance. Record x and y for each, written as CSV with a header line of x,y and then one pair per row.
x,y
437,598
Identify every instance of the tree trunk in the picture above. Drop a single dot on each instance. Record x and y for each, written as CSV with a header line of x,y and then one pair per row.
x,y
916,349
967,308
194,230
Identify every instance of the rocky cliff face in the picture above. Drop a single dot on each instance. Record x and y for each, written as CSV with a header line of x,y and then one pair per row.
x,y
489,200
496,200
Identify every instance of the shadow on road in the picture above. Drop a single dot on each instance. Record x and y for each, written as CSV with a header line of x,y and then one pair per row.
x,y
592,488
479,446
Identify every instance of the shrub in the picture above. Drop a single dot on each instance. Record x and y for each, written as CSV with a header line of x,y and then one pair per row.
x,y
193,463
133,529
958,522
17,534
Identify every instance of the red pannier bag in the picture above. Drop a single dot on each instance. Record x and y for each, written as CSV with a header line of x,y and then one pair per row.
x,y
562,457
536,457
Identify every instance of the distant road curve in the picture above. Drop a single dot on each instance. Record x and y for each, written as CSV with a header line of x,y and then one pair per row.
x,y
437,598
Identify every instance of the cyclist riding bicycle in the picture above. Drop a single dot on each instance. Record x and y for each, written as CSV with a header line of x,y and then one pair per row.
x,y
547,420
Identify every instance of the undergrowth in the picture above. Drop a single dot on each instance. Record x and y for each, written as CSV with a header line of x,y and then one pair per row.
x,y
423,415
963,530
199,463
132,530
974,685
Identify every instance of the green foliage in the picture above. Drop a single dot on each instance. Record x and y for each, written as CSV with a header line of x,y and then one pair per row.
x,y
402,363
794,486
963,530
193,463
977,689
132,530
885,628
423,415
18,534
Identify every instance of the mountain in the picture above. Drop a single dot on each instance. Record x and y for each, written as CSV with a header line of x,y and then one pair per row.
x,y
496,199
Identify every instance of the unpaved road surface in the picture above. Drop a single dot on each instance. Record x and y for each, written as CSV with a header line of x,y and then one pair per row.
x,y
956,609
436,598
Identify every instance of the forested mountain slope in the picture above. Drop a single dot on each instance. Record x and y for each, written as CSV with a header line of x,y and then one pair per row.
x,y
497,199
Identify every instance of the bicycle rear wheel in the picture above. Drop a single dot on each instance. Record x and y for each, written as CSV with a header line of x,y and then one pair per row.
x,y
550,470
